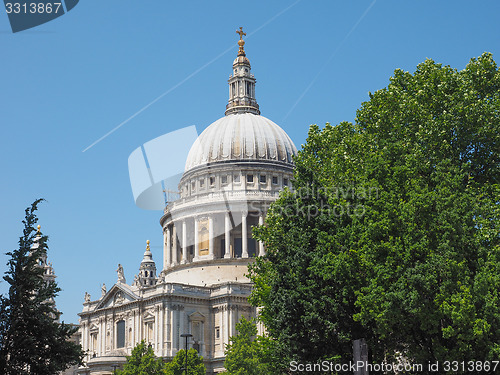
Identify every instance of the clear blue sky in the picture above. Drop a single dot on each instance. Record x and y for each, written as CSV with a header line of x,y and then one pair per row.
x,y
67,83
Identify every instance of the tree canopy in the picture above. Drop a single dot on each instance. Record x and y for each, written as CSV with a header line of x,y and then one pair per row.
x,y
32,341
142,361
194,363
392,229
248,353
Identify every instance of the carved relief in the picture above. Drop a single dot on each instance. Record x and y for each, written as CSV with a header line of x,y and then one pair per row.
x,y
119,299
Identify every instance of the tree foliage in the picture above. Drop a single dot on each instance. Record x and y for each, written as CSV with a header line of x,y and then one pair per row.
x,y
392,230
32,341
142,362
194,363
249,353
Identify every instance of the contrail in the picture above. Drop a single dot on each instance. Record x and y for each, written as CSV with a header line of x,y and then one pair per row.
x,y
187,78
329,59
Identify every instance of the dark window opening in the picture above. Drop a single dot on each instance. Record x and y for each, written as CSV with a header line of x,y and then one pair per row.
x,y
120,334
263,178
252,247
238,248
285,181
249,177
275,180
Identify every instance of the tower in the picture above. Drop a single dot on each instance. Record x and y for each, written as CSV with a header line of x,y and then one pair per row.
x,y
147,270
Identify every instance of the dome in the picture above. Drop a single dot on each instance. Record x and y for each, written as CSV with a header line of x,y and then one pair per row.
x,y
241,137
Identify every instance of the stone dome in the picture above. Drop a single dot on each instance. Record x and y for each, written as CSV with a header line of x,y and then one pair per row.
x,y
241,137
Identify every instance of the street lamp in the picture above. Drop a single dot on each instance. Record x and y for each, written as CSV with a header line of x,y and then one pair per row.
x,y
186,335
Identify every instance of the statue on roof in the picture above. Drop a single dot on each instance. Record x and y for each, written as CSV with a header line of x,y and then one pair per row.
x,y
121,276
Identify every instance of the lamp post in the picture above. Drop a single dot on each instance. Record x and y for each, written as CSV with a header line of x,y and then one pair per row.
x,y
186,335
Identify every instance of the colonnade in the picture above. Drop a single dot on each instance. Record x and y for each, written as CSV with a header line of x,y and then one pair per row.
x,y
177,245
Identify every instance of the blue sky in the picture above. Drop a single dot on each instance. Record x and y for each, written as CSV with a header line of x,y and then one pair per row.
x,y
67,83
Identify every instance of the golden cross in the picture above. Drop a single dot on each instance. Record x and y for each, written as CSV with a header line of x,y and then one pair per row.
x,y
240,31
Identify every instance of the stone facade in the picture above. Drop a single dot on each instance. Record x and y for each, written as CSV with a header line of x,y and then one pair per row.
x,y
234,171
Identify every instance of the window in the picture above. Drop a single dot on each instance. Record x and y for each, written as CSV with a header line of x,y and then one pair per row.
x,y
285,181
236,178
149,332
193,185
212,181
217,332
263,178
275,180
250,178
223,179
202,182
120,334
93,341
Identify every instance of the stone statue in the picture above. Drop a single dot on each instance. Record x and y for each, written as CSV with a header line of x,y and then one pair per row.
x,y
103,290
87,297
136,281
121,277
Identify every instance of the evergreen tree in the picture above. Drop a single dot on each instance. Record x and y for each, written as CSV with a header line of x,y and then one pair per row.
x,y
32,341
142,362
194,362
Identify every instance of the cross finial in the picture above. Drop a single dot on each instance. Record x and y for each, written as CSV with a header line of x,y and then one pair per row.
x,y
240,31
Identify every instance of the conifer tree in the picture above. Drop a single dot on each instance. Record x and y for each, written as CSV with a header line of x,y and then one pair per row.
x,y
32,341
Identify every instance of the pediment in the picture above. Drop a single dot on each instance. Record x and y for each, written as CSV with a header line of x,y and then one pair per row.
x,y
148,316
118,295
197,317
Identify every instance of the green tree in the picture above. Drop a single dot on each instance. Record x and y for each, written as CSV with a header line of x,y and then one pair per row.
x,y
142,362
32,341
392,230
249,353
194,363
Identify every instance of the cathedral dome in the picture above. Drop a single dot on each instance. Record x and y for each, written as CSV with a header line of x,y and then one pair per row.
x,y
241,137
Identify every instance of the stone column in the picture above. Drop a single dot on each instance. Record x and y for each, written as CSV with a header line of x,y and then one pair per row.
x,y
227,223
184,242
196,240
175,330
160,329
175,252
210,237
167,257
244,236
262,252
